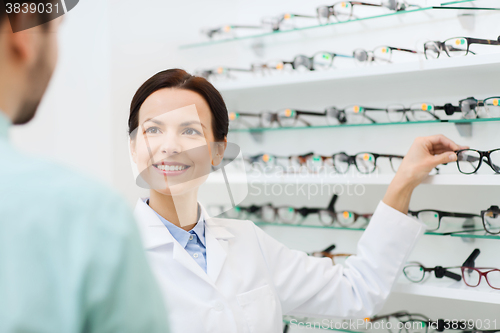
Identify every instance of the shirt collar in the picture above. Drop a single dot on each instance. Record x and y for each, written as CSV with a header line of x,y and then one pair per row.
x,y
181,235
4,125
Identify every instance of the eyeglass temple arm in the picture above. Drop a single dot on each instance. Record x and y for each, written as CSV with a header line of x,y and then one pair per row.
x,y
471,260
331,204
301,15
463,215
395,314
389,155
459,232
484,41
246,27
248,114
308,113
330,248
238,69
365,4
495,167
403,50
341,55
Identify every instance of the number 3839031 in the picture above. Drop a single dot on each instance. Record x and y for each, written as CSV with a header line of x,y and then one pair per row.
x,y
24,8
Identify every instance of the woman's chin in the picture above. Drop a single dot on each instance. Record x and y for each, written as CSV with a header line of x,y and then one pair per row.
x,y
182,188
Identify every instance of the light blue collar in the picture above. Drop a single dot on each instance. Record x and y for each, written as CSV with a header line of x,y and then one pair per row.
x,y
181,235
4,125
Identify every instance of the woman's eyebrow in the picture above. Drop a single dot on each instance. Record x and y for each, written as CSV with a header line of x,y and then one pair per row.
x,y
191,122
156,121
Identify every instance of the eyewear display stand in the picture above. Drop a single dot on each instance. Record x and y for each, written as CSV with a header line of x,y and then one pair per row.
x,y
333,23
438,81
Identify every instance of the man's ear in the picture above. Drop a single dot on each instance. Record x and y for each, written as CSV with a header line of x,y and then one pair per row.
x,y
23,46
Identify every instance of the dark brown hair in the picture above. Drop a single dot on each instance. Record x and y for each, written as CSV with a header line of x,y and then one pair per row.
x,y
178,78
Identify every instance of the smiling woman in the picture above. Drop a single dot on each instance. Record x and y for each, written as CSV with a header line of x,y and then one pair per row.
x,y
227,275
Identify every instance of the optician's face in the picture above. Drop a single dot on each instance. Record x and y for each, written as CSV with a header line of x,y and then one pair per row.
x,y
173,145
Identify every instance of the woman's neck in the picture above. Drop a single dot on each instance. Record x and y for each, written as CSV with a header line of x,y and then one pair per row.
x,y
181,210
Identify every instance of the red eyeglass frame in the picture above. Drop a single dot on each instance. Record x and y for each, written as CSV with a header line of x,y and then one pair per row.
x,y
481,274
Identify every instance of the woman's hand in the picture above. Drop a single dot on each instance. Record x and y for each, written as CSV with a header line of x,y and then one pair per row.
x,y
425,154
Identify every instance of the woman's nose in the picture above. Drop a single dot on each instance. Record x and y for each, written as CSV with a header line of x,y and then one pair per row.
x,y
171,145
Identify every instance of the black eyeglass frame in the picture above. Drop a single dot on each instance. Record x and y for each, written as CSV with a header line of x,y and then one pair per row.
x,y
441,215
470,41
483,155
351,160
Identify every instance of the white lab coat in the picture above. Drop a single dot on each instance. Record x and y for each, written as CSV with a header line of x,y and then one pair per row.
x,y
252,279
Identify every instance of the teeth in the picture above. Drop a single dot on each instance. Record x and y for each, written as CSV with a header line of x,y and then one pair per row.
x,y
171,167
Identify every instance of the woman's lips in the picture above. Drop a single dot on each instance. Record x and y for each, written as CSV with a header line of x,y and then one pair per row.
x,y
171,169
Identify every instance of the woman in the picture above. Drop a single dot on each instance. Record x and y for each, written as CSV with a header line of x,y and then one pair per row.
x,y
223,275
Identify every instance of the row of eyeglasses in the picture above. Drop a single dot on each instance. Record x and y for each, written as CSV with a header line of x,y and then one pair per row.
x,y
328,216
416,272
469,161
469,108
323,60
269,213
338,12
471,275
340,163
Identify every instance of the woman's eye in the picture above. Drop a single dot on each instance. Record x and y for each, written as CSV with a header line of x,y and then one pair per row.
x,y
191,131
153,130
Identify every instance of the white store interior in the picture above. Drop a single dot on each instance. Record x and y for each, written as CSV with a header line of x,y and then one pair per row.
x,y
109,48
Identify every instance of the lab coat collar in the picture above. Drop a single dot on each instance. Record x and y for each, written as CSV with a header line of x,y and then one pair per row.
x,y
155,234
4,125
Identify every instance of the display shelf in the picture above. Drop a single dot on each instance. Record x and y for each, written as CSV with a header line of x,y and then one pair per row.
x,y
382,179
447,290
424,71
453,121
263,224
277,33
478,234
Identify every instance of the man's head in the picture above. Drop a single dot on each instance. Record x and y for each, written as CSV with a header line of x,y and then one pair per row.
x,y
27,59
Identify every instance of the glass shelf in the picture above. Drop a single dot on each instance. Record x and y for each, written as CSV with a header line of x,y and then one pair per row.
x,y
214,42
453,121
478,234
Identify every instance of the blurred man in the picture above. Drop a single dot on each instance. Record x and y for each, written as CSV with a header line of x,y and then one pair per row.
x,y
70,256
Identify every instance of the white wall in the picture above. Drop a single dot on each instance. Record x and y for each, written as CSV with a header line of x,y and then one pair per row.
x,y
73,124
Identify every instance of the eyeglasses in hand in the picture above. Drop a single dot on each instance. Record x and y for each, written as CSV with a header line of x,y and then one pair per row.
x,y
470,160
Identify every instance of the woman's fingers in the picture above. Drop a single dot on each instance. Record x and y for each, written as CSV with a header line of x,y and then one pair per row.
x,y
438,144
443,158
441,142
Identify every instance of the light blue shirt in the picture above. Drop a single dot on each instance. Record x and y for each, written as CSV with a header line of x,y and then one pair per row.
x,y
193,241
71,259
